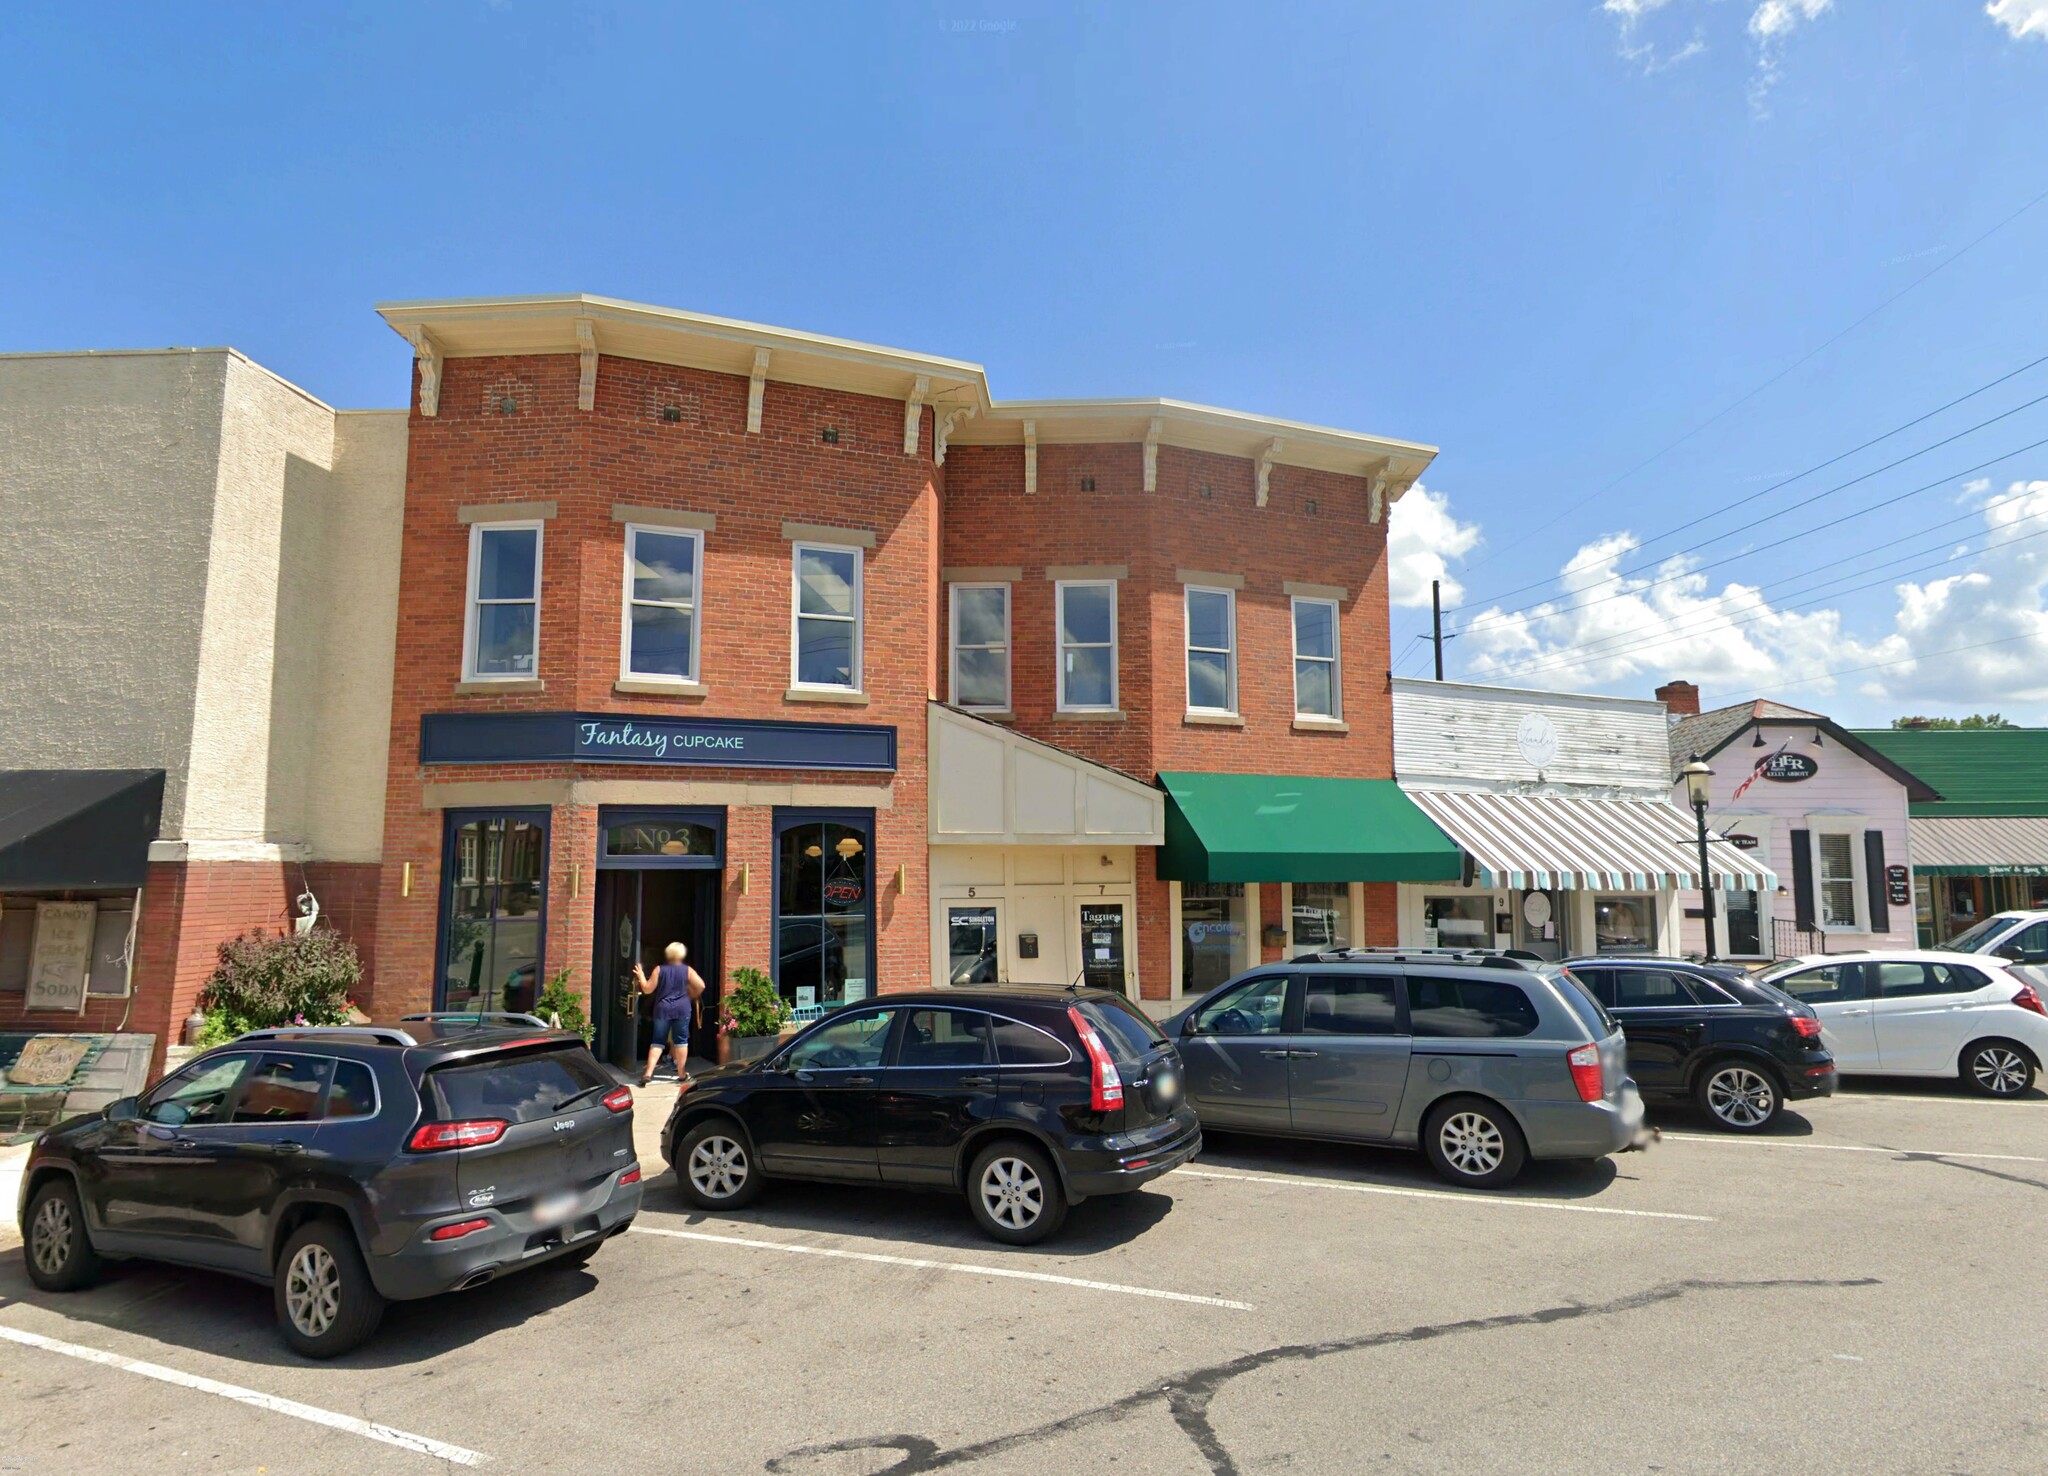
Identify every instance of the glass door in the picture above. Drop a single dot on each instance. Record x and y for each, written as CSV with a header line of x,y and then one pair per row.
x,y
974,943
1102,946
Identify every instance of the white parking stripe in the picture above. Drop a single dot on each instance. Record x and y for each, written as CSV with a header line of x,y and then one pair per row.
x,y
1484,1201
964,1267
419,1444
1847,1148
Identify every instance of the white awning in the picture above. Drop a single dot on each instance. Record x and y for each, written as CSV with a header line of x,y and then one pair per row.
x,y
1544,841
1979,845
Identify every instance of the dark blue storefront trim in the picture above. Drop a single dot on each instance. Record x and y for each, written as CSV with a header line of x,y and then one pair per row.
x,y
606,738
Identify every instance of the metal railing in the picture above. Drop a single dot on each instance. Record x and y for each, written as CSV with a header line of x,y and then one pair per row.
x,y
1789,940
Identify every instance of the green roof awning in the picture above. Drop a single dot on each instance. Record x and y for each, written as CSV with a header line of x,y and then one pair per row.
x,y
1290,828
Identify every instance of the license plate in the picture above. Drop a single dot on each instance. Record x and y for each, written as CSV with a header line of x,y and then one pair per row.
x,y
1167,1087
552,1209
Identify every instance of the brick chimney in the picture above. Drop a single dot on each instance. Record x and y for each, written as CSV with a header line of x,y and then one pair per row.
x,y
1681,699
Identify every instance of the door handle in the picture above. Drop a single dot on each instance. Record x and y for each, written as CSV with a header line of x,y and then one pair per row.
x,y
977,1081
1276,1055
185,1143
286,1145
860,1081
1302,1055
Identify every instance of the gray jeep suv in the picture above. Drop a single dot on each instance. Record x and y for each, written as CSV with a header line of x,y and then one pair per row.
x,y
1482,1061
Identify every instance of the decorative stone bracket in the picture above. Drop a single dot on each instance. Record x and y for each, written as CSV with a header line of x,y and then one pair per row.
x,y
913,409
428,357
756,388
586,379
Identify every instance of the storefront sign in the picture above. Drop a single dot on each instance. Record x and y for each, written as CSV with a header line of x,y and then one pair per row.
x,y
583,737
1536,740
1741,842
2018,868
1786,767
1897,888
60,955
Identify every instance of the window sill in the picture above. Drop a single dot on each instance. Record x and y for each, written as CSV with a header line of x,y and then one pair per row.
x,y
991,714
654,687
490,686
1212,720
826,695
1321,725
1089,715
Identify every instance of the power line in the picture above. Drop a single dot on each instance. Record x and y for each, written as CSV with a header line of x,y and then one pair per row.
x,y
1817,466
1734,405
2025,635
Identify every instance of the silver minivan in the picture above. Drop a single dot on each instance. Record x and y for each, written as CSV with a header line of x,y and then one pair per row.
x,y
1480,1060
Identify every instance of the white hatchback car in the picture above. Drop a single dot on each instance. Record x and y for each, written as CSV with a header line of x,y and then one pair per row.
x,y
1915,1013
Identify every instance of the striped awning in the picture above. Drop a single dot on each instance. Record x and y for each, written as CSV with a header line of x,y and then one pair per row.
x,y
1979,845
1542,841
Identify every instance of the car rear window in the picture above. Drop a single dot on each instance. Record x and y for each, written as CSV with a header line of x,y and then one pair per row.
x,y
1442,1006
354,1093
1128,1032
1585,1004
1018,1044
518,1088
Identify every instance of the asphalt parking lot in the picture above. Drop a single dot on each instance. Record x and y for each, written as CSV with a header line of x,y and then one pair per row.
x,y
1860,1290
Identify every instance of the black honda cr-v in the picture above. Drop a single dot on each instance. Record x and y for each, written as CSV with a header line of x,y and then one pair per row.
x,y
1029,1100
345,1166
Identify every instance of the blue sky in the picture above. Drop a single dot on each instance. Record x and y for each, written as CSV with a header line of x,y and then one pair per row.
x,y
1553,239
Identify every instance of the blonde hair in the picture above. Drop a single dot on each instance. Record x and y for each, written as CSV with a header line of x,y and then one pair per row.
x,y
675,953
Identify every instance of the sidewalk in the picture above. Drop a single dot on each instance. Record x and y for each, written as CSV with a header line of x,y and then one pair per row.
x,y
12,1161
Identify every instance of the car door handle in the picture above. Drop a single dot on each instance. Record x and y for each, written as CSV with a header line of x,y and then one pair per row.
x,y
1276,1055
977,1081
860,1081
185,1143
1301,1055
1844,1014
287,1145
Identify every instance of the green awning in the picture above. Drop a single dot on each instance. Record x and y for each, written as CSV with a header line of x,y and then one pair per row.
x,y
1290,828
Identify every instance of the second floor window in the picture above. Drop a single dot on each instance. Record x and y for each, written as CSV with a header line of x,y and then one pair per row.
x,y
660,635
501,638
1087,631
1315,658
827,617
981,646
1212,650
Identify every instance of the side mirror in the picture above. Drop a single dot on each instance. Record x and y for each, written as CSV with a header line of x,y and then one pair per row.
x,y
123,1109
2010,952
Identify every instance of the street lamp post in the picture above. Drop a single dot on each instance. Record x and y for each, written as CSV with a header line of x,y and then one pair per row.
x,y
1698,783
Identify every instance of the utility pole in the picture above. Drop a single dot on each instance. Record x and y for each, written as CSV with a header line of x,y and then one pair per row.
x,y
1436,623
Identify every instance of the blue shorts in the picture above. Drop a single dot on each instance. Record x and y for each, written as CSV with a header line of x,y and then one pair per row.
x,y
674,1031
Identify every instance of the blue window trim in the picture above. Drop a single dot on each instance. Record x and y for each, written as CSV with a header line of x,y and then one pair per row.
x,y
454,820
791,819
711,815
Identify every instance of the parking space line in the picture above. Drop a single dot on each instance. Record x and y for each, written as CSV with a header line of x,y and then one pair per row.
x,y
1483,1200
965,1267
404,1440
1848,1148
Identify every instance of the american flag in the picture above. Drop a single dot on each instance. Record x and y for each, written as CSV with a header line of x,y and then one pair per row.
x,y
1753,773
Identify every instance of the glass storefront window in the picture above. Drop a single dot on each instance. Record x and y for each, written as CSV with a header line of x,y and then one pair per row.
x,y
971,944
1458,922
670,838
1214,934
1624,924
1322,915
491,908
824,889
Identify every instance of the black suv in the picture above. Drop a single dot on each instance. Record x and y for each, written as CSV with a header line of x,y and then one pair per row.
x,y
1737,1048
344,1166
1028,1099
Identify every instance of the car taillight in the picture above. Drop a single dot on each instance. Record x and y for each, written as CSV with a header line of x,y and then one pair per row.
x,y
630,1176
1586,1073
1105,1087
620,1100
1805,1025
432,1137
457,1231
2027,999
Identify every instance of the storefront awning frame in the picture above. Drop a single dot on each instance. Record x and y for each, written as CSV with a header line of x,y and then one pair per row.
x,y
1298,828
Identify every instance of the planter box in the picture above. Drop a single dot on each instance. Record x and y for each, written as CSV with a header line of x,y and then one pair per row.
x,y
750,1047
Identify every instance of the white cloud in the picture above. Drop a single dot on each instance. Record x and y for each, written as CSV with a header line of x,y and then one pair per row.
x,y
1974,638
1769,26
2020,18
1648,31
1422,538
1635,46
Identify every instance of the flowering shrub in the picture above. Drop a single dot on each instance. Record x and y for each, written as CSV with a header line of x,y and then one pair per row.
x,y
269,979
751,1006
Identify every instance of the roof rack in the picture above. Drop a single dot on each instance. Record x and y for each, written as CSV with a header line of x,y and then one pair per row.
x,y
389,1034
1484,958
477,1017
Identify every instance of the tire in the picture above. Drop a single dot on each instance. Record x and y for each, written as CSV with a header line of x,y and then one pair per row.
x,y
1738,1096
715,1166
1997,1068
1014,1194
1474,1143
56,1248
326,1303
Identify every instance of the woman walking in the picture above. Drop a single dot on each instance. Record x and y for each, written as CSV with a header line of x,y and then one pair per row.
x,y
675,987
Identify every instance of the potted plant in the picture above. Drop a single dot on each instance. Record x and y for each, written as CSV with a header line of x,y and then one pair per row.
x,y
750,1017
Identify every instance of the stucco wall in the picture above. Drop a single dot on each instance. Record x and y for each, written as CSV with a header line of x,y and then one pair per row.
x,y
108,465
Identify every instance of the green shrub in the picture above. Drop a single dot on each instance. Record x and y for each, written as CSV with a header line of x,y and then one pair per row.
x,y
557,1001
751,1006
269,979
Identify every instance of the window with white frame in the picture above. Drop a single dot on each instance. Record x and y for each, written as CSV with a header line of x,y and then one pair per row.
x,y
981,646
1087,631
663,570
1212,649
826,614
1837,875
1316,688
501,637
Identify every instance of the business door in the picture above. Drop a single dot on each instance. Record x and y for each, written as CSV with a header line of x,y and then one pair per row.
x,y
1103,946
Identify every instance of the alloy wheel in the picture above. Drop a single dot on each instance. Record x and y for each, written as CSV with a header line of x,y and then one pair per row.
x,y
1740,1097
312,1290
1012,1193
718,1167
49,1238
1471,1143
2000,1070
